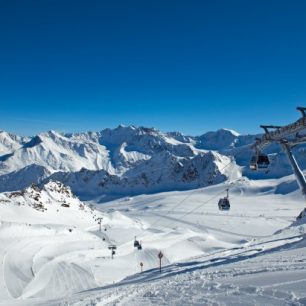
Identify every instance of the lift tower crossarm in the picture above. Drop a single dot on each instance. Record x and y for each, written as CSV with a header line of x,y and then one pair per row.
x,y
281,132
267,127
302,110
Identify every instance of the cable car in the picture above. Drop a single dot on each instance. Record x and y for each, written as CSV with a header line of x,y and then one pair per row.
x,y
224,203
259,161
136,243
112,247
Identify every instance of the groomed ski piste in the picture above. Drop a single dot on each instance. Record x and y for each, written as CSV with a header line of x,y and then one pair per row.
x,y
254,254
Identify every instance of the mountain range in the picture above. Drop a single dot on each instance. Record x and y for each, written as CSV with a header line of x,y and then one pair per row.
x,y
131,160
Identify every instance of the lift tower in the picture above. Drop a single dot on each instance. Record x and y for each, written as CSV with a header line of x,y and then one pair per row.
x,y
288,136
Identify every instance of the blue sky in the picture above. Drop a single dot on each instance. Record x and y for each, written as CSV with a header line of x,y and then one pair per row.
x,y
191,66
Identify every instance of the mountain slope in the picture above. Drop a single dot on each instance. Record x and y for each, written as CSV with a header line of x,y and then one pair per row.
x,y
176,173
10,142
19,179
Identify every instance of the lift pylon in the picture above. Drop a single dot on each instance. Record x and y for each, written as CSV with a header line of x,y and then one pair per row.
x,y
288,137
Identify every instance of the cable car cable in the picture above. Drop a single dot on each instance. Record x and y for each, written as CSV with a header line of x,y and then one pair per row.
x,y
197,207
187,197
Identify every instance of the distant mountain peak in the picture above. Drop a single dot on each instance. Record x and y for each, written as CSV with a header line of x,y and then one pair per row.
x,y
233,132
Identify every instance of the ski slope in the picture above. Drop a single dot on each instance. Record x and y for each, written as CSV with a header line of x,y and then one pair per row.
x,y
249,255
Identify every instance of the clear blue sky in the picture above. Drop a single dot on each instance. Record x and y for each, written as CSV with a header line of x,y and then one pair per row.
x,y
189,65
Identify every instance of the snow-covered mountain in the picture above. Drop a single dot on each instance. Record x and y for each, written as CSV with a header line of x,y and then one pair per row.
x,y
130,160
55,152
53,202
32,174
10,142
176,173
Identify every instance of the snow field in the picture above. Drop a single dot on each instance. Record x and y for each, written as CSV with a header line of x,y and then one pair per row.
x,y
246,256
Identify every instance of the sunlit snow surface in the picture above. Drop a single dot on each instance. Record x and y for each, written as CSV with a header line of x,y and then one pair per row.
x,y
250,255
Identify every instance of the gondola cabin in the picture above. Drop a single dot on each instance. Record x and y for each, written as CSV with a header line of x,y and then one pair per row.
x,y
259,162
136,243
224,203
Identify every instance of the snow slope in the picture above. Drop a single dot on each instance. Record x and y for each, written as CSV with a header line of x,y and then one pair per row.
x,y
43,233
252,254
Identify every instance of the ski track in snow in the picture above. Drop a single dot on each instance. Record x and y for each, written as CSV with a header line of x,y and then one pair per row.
x,y
186,288
204,227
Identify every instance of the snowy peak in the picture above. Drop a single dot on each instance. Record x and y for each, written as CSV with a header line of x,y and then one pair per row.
x,y
131,135
53,201
10,142
36,197
219,140
56,152
33,142
57,188
115,151
233,132
180,137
